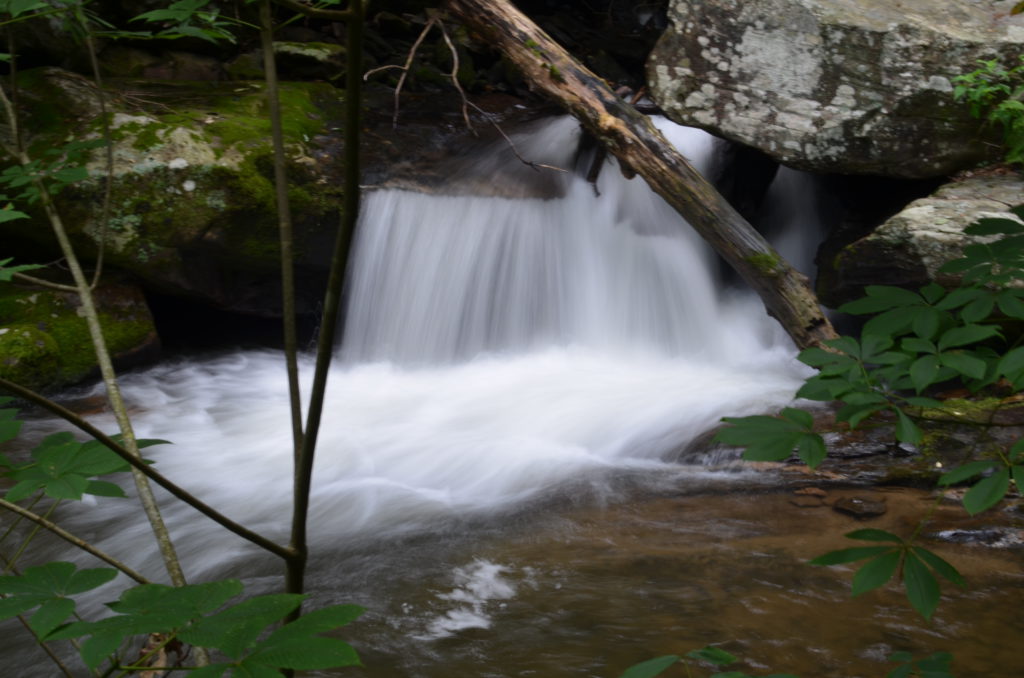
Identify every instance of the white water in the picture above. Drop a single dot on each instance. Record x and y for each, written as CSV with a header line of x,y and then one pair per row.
x,y
496,351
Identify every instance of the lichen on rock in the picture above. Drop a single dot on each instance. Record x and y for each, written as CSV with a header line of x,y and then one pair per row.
x,y
845,86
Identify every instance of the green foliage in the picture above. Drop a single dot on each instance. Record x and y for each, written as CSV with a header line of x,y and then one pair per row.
x,y
775,438
184,19
935,666
918,565
996,93
7,272
710,655
61,467
63,166
191,614
47,588
912,342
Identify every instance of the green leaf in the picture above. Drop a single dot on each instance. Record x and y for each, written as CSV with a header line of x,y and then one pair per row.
x,y
968,334
100,646
102,488
51,614
234,630
892,322
875,572
987,492
994,226
926,322
1017,472
965,364
317,621
1011,304
850,555
309,653
811,449
979,309
924,371
651,667
799,417
968,470
918,345
87,580
871,534
906,430
712,655
1012,364
922,588
881,298
941,566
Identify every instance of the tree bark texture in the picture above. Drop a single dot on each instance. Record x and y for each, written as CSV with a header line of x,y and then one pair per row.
x,y
640,147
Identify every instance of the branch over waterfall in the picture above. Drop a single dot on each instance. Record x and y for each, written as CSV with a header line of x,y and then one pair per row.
x,y
638,145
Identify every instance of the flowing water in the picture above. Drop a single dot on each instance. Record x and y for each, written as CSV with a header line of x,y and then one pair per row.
x,y
507,447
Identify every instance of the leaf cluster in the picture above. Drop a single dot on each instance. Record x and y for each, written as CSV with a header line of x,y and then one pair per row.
x,y
62,166
935,666
61,466
197,614
710,655
917,564
997,94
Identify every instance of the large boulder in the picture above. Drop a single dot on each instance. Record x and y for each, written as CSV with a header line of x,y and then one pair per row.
x,y
844,86
909,248
192,210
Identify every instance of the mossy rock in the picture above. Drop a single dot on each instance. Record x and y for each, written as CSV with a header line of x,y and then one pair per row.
x,y
45,343
192,208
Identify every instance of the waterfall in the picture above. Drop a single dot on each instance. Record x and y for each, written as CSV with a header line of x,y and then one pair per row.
x,y
497,349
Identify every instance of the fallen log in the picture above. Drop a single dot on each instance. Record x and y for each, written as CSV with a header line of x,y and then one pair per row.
x,y
640,147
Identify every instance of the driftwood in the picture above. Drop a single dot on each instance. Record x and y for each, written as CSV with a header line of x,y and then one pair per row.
x,y
640,147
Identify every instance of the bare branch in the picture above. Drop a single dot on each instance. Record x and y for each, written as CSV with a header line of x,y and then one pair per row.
x,y
455,76
72,539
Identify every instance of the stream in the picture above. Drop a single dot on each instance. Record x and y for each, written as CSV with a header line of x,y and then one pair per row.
x,y
510,474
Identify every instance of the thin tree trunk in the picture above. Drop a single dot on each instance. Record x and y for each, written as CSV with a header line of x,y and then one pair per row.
x,y
639,146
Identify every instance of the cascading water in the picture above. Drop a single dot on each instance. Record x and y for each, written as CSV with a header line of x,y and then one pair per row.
x,y
496,350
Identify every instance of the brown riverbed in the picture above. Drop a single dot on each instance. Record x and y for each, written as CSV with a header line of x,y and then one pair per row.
x,y
590,591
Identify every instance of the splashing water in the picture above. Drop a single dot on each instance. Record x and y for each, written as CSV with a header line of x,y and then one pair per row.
x,y
495,350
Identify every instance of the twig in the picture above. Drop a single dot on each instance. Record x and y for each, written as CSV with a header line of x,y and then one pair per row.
x,y
108,187
285,230
72,539
535,165
405,68
45,283
455,76
147,470
314,13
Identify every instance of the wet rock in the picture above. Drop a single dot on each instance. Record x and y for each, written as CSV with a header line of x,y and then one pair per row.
x,y
193,212
860,507
807,502
44,341
850,86
992,537
908,249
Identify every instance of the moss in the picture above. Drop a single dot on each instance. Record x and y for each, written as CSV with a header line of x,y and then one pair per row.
x,y
46,343
28,355
957,410
767,264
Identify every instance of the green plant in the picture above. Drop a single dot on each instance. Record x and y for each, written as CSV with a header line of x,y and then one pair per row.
x,y
63,468
996,93
709,655
913,342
